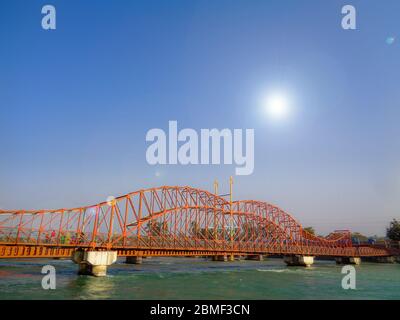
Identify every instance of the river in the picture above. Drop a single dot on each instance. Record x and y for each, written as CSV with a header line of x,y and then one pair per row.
x,y
195,278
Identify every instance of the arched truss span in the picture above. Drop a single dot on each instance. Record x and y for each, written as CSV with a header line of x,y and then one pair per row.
x,y
171,218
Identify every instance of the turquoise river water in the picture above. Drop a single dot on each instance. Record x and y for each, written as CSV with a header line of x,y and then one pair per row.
x,y
196,278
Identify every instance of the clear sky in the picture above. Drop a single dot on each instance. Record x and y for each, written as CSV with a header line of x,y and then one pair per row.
x,y
76,102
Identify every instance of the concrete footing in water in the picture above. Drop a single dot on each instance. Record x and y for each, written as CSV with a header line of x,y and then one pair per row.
x,y
388,259
220,258
348,260
94,263
226,257
255,257
298,260
134,260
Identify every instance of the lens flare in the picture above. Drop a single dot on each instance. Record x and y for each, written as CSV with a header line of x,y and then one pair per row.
x,y
390,40
111,201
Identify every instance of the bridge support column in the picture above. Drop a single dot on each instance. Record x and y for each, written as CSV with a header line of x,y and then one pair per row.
x,y
390,259
134,260
348,260
255,257
220,258
231,257
94,263
299,260
387,259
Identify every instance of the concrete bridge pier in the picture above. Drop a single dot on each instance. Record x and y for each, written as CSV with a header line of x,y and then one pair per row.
x,y
389,259
134,260
298,260
384,259
94,263
255,257
220,258
348,260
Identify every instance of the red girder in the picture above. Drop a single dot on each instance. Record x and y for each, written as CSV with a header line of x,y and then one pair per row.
x,y
174,219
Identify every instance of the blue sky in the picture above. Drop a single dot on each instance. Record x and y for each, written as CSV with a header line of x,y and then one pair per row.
x,y
76,102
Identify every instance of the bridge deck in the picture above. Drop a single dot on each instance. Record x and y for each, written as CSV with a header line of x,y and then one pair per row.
x,y
50,251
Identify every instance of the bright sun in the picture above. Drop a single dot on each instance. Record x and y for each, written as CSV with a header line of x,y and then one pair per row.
x,y
277,106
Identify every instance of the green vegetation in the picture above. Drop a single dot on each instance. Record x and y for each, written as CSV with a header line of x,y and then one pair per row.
x,y
393,231
310,230
359,236
156,228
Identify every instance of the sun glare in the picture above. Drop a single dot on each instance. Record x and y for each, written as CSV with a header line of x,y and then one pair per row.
x,y
277,106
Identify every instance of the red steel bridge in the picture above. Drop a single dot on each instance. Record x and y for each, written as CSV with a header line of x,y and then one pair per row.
x,y
169,221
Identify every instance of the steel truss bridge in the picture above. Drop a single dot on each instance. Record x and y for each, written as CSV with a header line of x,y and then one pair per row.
x,y
169,221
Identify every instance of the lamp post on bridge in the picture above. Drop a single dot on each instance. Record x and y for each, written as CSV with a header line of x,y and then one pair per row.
x,y
230,227
215,210
231,212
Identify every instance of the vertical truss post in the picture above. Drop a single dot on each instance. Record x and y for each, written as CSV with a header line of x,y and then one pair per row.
x,y
40,228
96,221
60,227
231,210
19,227
111,224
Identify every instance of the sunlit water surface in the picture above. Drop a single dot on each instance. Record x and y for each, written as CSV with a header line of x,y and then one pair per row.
x,y
195,278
